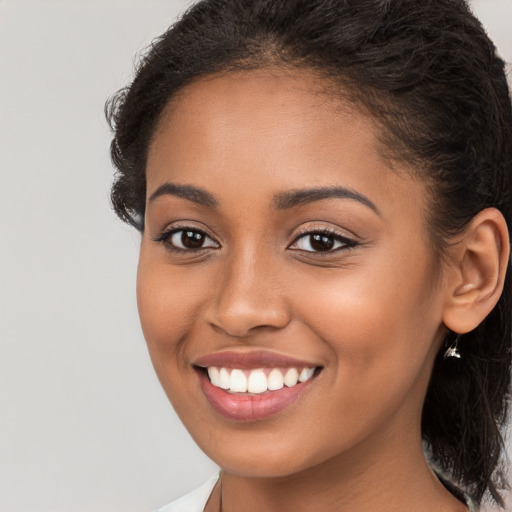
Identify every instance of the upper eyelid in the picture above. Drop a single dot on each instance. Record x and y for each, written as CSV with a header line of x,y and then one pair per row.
x,y
343,239
302,232
182,226
311,230
347,241
165,239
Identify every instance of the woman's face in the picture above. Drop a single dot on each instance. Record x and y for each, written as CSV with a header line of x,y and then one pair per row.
x,y
278,243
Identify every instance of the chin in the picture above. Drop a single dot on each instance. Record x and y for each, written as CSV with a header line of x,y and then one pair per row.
x,y
280,466
263,456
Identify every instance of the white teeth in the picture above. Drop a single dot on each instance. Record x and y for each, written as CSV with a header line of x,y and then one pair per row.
x,y
275,380
223,378
306,374
257,381
213,373
238,381
291,377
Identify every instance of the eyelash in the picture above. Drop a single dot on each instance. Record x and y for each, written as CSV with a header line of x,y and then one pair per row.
x,y
166,236
346,243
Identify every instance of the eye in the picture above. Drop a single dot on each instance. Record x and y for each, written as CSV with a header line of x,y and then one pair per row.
x,y
322,241
186,239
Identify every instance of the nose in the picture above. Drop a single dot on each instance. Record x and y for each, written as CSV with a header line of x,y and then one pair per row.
x,y
248,298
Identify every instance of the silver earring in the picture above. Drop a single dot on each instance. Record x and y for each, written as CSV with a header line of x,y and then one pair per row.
x,y
452,350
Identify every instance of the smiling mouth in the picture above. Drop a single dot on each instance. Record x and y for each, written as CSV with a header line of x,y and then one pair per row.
x,y
255,385
254,394
259,380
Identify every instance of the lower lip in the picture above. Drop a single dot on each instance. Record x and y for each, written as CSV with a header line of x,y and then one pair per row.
x,y
241,407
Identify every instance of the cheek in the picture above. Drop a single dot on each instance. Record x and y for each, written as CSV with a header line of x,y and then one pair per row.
x,y
166,302
381,358
378,328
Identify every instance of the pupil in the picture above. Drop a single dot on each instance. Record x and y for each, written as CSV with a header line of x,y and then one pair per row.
x,y
192,239
322,242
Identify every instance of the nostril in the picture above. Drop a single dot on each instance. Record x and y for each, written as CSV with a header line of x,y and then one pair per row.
x,y
240,328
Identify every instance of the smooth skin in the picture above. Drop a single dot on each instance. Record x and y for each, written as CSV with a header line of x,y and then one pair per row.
x,y
371,306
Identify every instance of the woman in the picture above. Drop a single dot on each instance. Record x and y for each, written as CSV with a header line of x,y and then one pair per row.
x,y
324,194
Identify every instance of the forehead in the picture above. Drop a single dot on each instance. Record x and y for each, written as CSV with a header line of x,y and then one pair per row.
x,y
267,131
292,90
270,107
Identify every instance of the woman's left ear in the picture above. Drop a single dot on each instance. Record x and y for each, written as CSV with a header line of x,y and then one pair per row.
x,y
474,278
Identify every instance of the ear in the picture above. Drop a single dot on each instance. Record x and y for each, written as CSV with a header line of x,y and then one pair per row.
x,y
476,274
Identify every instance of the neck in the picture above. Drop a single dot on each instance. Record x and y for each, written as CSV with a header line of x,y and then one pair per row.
x,y
368,478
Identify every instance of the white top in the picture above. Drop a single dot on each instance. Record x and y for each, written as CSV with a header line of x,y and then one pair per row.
x,y
194,501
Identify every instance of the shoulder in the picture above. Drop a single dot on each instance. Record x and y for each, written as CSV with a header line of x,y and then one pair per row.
x,y
194,501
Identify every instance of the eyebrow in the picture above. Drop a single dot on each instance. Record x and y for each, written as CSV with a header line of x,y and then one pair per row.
x,y
194,194
282,201
286,200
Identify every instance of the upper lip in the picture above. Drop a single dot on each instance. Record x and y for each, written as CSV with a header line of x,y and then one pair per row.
x,y
251,360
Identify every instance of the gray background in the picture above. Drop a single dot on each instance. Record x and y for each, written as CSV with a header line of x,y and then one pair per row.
x,y
84,424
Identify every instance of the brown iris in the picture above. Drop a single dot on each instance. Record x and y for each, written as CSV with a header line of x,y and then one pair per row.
x,y
192,239
321,242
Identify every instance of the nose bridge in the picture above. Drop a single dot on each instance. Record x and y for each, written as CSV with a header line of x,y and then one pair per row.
x,y
248,294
